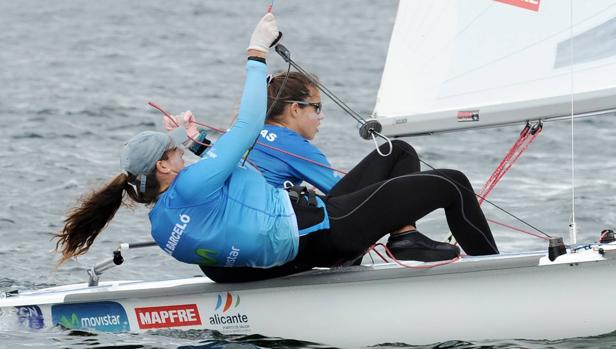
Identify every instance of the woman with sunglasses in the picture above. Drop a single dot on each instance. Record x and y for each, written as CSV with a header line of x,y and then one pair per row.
x,y
222,214
284,154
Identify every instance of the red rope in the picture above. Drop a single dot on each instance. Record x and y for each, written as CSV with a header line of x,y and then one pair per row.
x,y
301,157
260,143
160,109
279,150
531,139
499,172
170,117
527,136
518,229
395,260
494,178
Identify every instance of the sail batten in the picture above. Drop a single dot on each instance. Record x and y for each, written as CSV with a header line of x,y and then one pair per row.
x,y
458,65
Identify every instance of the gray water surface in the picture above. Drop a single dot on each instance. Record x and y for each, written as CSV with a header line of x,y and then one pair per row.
x,y
76,77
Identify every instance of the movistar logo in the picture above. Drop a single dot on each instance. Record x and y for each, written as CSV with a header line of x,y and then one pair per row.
x,y
208,256
73,322
228,302
102,316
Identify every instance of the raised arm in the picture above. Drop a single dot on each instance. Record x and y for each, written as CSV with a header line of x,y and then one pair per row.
x,y
209,174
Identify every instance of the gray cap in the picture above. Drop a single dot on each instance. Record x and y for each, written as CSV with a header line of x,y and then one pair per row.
x,y
140,154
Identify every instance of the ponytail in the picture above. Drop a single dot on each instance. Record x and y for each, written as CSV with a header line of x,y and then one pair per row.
x,y
85,221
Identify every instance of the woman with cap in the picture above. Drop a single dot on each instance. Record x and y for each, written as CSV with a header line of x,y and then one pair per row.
x,y
224,216
286,157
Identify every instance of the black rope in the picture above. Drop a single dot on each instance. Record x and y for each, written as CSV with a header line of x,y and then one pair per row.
x,y
269,110
484,199
284,53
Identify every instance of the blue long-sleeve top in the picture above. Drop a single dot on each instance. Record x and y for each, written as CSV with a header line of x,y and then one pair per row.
x,y
278,166
219,213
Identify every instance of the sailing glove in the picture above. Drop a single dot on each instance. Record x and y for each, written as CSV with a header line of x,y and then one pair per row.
x,y
187,119
265,33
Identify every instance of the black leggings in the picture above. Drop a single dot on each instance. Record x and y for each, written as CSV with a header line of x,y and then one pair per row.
x,y
361,217
376,168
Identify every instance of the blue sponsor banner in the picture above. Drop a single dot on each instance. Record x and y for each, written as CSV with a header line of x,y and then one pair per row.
x,y
100,316
30,316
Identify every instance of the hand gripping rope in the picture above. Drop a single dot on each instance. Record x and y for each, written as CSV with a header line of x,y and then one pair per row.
x,y
221,131
371,129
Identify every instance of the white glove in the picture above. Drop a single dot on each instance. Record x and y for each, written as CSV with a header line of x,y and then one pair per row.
x,y
264,34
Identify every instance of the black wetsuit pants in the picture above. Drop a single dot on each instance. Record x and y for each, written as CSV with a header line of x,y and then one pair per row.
x,y
361,211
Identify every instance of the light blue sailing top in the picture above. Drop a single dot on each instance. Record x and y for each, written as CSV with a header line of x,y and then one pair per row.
x,y
218,213
278,166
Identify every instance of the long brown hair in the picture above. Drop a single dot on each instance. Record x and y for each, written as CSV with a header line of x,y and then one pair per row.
x,y
94,211
296,88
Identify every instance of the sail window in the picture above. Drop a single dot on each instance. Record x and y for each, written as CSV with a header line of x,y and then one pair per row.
x,y
594,44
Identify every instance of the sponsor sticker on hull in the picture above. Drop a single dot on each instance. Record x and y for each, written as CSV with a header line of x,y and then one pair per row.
x,y
468,115
227,316
30,316
168,316
532,5
100,316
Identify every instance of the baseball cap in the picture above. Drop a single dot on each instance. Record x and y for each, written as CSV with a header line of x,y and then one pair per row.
x,y
141,152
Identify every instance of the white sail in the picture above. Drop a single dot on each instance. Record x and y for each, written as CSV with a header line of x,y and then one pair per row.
x,y
456,64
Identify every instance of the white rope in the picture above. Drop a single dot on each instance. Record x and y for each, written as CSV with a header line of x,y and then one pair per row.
x,y
572,225
378,150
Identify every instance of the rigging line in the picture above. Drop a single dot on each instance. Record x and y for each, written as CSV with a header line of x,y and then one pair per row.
x,y
424,265
301,157
333,97
513,157
343,172
491,182
517,229
488,201
558,118
450,181
326,91
604,112
283,151
221,131
329,94
376,144
523,147
572,226
269,110
170,117
329,167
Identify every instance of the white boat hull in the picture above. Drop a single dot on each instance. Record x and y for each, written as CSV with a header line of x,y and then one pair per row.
x,y
500,297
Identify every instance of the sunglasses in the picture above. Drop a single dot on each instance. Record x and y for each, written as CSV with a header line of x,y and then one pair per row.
x,y
317,106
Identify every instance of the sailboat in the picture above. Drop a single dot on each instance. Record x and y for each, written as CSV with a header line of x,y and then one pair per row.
x,y
451,65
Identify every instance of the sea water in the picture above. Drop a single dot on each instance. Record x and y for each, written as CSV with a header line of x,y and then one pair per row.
x,y
76,77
